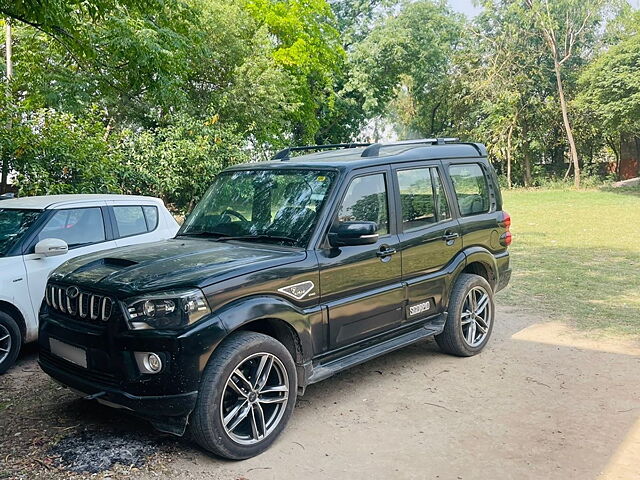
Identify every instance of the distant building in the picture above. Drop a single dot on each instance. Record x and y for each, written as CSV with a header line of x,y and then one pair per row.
x,y
629,158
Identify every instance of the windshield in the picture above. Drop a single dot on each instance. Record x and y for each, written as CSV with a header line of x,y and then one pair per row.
x,y
273,206
14,224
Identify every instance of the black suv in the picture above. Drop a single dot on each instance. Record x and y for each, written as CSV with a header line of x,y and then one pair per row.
x,y
284,274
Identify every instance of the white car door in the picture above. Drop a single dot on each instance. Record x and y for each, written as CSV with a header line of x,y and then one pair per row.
x,y
83,228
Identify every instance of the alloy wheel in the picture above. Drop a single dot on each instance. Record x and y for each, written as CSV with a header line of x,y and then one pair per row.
x,y
475,319
5,343
254,398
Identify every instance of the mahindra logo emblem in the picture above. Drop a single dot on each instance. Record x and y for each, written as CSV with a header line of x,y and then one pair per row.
x,y
299,290
73,292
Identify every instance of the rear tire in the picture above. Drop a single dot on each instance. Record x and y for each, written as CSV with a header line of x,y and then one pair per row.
x,y
471,317
10,341
247,395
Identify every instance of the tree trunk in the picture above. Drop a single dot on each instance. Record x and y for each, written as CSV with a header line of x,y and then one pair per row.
x,y
527,170
4,174
638,153
526,156
509,135
433,118
573,152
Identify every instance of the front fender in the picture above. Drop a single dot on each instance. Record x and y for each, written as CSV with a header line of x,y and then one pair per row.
x,y
243,311
15,297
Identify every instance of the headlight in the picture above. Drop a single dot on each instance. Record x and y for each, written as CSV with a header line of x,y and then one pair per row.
x,y
166,310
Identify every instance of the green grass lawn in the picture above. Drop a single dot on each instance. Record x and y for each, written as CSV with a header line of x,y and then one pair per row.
x,y
576,256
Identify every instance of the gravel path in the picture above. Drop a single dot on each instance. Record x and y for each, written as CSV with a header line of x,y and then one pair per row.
x,y
541,402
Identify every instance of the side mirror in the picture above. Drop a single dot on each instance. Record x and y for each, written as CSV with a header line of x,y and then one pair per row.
x,y
346,234
51,247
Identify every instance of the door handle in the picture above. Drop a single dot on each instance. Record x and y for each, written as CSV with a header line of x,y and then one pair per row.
x,y
386,251
448,236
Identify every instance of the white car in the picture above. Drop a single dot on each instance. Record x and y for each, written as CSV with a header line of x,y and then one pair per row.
x,y
38,234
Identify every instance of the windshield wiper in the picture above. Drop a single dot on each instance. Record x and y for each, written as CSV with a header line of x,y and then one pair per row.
x,y
249,238
203,234
223,237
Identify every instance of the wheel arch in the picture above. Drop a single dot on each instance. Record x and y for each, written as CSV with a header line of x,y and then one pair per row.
x,y
13,311
281,331
482,262
276,317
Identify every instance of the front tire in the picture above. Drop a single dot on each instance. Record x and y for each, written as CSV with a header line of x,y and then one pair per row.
x,y
471,317
247,395
10,342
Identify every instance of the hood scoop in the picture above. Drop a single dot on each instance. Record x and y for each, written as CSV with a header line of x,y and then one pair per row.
x,y
109,262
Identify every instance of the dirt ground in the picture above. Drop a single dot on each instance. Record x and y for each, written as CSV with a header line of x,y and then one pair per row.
x,y
541,402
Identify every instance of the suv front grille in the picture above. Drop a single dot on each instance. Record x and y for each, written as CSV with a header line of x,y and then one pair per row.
x,y
74,302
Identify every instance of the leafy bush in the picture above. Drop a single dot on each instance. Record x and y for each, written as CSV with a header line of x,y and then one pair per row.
x,y
178,162
58,152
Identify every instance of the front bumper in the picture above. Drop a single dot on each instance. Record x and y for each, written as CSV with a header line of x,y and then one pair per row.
x,y
151,406
111,374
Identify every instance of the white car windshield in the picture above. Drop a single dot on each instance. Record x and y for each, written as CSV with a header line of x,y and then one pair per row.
x,y
14,223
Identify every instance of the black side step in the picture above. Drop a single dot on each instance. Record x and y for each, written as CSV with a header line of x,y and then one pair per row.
x,y
322,371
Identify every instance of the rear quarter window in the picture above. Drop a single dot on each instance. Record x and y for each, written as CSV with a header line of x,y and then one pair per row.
x,y
130,220
471,188
151,216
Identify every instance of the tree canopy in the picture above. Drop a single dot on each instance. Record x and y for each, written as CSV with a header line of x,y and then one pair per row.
x,y
151,96
610,86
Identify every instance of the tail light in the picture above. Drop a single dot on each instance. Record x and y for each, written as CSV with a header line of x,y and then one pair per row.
x,y
506,237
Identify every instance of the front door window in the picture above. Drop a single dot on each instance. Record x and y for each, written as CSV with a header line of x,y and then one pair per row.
x,y
366,200
76,226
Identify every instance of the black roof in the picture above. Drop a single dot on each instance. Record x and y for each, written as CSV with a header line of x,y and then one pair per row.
x,y
349,156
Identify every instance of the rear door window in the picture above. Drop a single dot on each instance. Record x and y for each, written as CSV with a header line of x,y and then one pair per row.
x,y
471,188
422,198
130,220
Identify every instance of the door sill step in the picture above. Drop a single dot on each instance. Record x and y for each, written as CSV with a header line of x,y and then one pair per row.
x,y
322,371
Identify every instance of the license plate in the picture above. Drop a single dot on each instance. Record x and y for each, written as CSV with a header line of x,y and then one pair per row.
x,y
72,354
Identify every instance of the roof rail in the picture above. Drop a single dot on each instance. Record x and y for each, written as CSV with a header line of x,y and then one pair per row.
x,y
373,150
284,154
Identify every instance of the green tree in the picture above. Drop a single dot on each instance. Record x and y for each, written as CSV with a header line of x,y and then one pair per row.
x,y
409,53
152,74
609,98
60,153
60,18
308,47
342,119
503,88
566,27
177,162
610,87
356,18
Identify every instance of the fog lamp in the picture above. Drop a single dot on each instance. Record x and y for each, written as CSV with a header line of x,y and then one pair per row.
x,y
148,362
154,362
